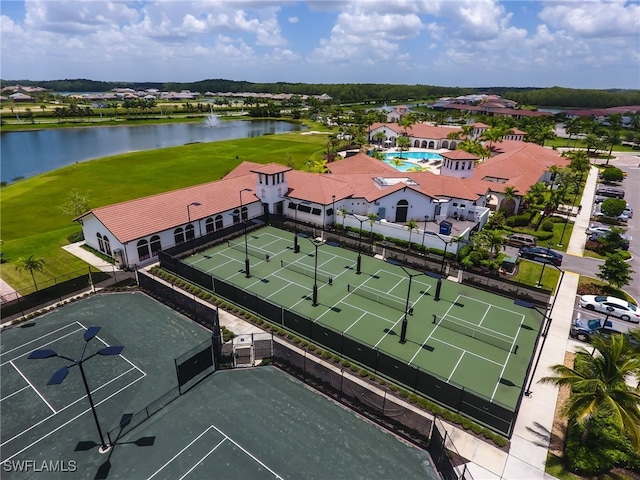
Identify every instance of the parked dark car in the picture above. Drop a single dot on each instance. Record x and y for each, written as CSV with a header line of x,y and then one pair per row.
x,y
584,329
540,254
612,192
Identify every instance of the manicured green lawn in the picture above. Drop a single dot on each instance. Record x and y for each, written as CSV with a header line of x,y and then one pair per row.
x,y
32,223
529,274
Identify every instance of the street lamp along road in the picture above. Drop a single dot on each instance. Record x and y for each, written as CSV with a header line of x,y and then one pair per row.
x,y
549,245
247,271
59,376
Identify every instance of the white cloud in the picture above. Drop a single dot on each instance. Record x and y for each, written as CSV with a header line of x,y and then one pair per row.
x,y
293,19
595,19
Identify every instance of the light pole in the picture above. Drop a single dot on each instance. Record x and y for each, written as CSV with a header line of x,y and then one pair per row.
x,y
296,247
424,231
317,244
247,271
59,376
567,222
444,255
359,261
543,265
333,208
403,331
192,204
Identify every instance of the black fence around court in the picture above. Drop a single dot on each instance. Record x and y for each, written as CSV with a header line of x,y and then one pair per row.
x,y
54,290
457,398
377,405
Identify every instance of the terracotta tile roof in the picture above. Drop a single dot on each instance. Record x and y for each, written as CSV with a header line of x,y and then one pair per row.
x,y
419,130
459,155
361,163
317,188
271,168
145,216
521,163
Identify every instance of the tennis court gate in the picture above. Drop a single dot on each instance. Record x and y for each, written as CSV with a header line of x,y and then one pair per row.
x,y
248,350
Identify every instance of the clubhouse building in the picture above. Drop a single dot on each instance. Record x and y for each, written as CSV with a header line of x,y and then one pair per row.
x,y
355,189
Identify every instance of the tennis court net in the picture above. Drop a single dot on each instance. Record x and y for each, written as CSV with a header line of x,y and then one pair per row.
x,y
379,296
481,333
253,251
308,271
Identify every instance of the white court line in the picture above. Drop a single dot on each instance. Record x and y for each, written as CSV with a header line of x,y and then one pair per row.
x,y
505,362
203,458
64,424
456,366
492,305
33,387
38,338
67,406
247,452
12,394
43,345
356,321
180,452
224,439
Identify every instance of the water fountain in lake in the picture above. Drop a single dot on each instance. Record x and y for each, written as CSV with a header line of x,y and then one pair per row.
x,y
212,120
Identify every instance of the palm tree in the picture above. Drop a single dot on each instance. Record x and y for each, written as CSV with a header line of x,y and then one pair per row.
x,y
31,264
598,386
343,213
509,204
379,137
372,219
579,161
411,226
397,162
612,138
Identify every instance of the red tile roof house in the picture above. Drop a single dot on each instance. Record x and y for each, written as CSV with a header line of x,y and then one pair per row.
x,y
134,231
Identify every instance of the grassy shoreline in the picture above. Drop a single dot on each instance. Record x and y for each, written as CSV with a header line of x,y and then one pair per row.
x,y
32,223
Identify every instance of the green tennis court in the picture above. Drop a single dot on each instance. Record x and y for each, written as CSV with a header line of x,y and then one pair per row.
x,y
480,342
236,424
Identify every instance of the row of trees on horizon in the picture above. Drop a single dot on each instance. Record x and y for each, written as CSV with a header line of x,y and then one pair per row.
x,y
362,92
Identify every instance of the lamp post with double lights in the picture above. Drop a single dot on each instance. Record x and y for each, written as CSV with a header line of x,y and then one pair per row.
x,y
59,376
247,271
577,186
316,244
359,261
403,331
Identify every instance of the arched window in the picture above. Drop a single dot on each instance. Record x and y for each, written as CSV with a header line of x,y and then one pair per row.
x,y
445,144
155,245
190,232
219,222
107,245
245,214
208,225
236,216
100,242
178,235
470,163
143,250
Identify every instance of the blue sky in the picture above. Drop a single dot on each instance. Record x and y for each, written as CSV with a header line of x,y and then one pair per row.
x,y
475,43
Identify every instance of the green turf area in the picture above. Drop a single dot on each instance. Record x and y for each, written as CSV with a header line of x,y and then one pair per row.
x,y
472,344
32,223
239,424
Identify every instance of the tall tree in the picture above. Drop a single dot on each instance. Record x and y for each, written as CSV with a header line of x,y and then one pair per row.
x,y
615,270
31,264
598,385
411,226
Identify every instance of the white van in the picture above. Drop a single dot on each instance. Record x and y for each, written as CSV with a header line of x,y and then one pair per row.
x,y
521,240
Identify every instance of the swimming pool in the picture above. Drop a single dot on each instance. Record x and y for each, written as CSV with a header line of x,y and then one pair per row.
x,y
414,156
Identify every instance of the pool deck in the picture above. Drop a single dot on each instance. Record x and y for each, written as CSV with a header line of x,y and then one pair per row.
x,y
426,164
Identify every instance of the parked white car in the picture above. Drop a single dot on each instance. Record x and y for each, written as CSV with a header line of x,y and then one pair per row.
x,y
616,307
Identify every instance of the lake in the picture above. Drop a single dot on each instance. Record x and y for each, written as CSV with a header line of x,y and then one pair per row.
x,y
29,153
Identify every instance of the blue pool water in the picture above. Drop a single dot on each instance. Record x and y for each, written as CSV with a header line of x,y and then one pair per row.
x,y
430,157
